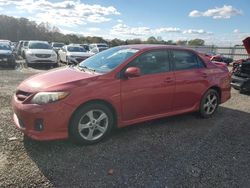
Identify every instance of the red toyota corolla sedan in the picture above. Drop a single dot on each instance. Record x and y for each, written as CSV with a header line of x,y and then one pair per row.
x,y
118,87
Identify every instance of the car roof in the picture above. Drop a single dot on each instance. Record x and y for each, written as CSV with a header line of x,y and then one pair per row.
x,y
38,41
155,46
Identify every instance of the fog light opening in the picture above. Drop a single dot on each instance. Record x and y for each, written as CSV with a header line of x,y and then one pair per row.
x,y
39,125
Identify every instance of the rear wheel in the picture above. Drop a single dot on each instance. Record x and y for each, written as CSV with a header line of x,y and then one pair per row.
x,y
91,123
209,103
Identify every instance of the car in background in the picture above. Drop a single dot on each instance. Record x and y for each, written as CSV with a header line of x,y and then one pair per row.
x,y
57,46
7,57
23,48
73,54
98,47
218,58
86,46
40,52
221,58
241,71
118,87
19,48
8,42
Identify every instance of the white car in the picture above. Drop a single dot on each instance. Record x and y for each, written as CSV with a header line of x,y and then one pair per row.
x,y
98,47
73,54
40,52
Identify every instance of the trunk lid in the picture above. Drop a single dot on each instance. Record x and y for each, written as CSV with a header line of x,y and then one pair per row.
x,y
246,43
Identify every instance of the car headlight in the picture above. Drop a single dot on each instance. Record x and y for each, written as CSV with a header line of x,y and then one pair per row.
x,y
30,54
48,97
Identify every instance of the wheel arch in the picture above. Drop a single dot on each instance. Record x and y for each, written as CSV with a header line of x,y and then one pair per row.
x,y
99,101
216,88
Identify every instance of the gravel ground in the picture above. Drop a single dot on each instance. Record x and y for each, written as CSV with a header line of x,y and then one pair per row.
x,y
181,151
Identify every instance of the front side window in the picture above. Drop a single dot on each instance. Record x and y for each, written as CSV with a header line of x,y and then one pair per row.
x,y
152,62
108,60
184,60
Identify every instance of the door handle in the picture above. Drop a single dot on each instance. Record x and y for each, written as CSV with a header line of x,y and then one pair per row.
x,y
204,75
168,80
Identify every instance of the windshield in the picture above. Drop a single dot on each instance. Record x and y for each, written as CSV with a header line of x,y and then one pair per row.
x,y
4,47
39,45
102,46
75,49
26,43
108,60
58,45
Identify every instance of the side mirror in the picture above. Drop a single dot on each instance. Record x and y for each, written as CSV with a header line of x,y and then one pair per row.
x,y
132,72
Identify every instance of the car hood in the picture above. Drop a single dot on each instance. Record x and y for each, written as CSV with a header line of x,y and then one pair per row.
x,y
5,52
80,54
41,51
54,80
246,43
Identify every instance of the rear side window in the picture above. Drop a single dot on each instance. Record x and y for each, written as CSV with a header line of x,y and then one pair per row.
x,y
152,62
184,60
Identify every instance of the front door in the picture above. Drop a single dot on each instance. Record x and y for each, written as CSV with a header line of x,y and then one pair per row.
x,y
152,92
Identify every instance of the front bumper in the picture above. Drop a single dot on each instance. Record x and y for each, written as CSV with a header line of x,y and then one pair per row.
x,y
54,117
37,60
240,83
7,60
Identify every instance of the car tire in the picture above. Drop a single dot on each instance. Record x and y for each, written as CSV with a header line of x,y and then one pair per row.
x,y
91,123
209,103
27,63
55,65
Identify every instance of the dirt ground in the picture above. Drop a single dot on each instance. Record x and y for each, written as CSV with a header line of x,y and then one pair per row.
x,y
181,151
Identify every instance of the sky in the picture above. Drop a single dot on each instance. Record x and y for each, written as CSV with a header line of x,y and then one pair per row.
x,y
218,22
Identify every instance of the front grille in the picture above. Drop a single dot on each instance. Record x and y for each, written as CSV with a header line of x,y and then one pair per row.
x,y
22,95
2,56
43,55
245,68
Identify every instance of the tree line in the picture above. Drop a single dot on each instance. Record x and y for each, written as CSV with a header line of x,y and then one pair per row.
x,y
16,29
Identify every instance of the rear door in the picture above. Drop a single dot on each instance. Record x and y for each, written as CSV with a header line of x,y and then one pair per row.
x,y
191,77
152,92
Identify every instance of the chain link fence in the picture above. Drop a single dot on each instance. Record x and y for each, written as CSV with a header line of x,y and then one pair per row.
x,y
237,52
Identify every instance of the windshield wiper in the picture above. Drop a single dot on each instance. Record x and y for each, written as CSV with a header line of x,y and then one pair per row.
x,y
85,67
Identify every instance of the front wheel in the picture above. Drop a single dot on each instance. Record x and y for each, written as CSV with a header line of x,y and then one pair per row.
x,y
209,103
91,123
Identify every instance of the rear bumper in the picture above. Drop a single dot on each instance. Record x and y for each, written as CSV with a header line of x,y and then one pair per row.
x,y
240,83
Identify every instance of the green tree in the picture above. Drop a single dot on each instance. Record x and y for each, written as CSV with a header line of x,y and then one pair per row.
x,y
196,42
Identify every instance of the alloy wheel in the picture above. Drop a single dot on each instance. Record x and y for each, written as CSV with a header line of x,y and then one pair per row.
x,y
93,125
211,103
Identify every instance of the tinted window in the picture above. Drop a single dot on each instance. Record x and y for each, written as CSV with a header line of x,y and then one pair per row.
x,y
38,45
102,46
76,49
184,60
58,45
152,62
4,46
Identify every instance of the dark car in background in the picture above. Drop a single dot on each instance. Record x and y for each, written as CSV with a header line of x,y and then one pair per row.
x,y
241,71
7,57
